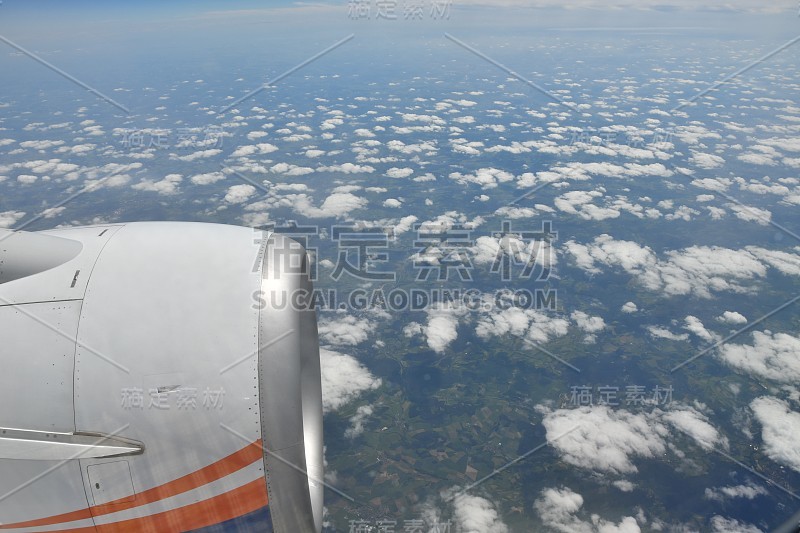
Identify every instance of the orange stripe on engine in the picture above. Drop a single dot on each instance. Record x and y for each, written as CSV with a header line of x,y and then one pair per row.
x,y
228,465
238,502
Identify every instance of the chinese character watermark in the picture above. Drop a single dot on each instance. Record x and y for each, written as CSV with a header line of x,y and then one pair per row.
x,y
207,137
525,249
404,526
613,396
399,9
443,248
654,140
169,398
360,251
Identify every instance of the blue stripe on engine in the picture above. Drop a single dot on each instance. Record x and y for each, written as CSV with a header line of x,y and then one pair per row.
x,y
257,521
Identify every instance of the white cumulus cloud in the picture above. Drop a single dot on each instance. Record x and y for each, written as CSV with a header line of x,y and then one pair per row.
x,y
238,194
559,510
343,379
774,356
779,429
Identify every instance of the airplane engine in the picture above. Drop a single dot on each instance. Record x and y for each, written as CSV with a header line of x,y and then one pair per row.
x,y
158,376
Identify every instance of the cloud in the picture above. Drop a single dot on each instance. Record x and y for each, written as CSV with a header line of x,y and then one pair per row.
x,y
697,270
340,203
345,330
441,328
589,324
392,203
116,180
166,186
629,307
603,439
52,212
343,379
290,170
683,212
513,212
357,421
787,263
297,137
405,224
207,178
41,145
774,356
200,154
779,429
347,168
787,144
751,214
428,147
390,225
238,194
9,218
466,148
749,491
624,485
336,205
713,184
395,172
531,324
663,333
78,149
521,254
584,171
253,135
55,167
696,425
486,178
726,525
449,220
706,161
609,251
696,327
757,159
254,149
717,213
558,509
608,440
514,148
579,203
733,318
441,331
474,514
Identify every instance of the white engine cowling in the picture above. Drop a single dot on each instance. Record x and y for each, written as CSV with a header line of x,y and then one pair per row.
x,y
146,385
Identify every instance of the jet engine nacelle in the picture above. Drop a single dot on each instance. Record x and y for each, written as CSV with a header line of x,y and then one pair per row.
x,y
145,387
